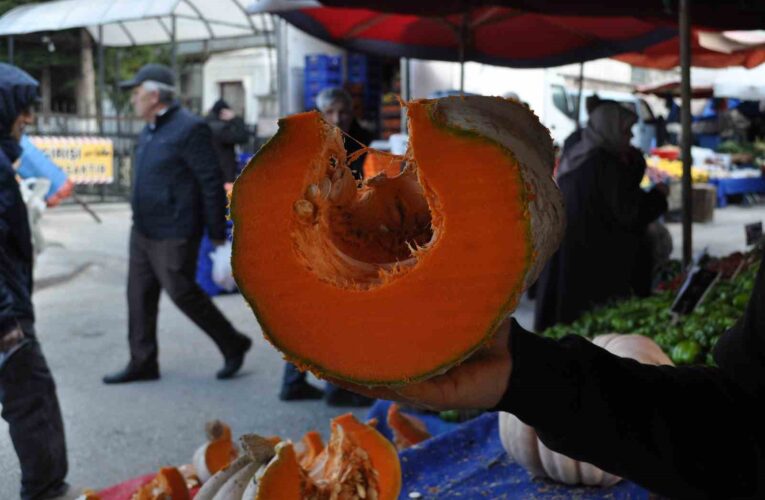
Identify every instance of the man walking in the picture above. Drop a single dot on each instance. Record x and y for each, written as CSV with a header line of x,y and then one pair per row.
x,y
177,193
27,390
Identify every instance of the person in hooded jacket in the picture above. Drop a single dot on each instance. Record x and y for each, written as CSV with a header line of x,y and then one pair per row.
x,y
606,212
27,389
228,130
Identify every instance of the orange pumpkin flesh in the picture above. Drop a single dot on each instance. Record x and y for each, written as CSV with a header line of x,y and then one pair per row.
x,y
407,430
312,446
282,479
393,281
168,483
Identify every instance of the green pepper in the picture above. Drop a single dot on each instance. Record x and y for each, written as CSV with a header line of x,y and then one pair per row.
x,y
685,352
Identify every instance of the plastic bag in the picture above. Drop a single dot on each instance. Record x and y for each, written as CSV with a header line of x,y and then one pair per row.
x,y
221,267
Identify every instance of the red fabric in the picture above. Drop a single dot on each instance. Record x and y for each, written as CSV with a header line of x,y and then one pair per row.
x,y
125,490
492,34
712,14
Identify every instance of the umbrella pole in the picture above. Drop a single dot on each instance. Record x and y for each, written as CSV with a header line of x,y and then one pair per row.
x,y
578,107
10,49
685,116
174,49
282,67
101,78
463,43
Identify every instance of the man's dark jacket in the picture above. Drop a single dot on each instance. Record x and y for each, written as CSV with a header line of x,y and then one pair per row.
x,y
17,91
178,187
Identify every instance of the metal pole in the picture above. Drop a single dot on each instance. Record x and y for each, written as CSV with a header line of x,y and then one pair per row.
x,y
578,107
118,118
406,89
685,117
463,43
174,51
101,79
282,67
10,49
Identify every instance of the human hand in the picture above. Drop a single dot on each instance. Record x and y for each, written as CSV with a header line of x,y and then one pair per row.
x,y
477,383
11,338
226,114
228,187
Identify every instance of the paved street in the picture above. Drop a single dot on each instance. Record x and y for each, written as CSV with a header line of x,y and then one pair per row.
x,y
117,432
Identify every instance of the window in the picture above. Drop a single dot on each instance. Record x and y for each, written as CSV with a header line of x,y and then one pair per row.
x,y
233,94
560,100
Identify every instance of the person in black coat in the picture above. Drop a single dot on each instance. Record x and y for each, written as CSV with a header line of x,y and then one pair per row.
x,y
228,130
27,389
606,212
177,194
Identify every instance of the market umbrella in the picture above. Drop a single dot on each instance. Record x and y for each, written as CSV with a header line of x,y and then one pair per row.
x,y
666,55
501,36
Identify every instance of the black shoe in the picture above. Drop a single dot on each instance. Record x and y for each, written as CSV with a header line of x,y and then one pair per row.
x,y
233,362
298,392
132,374
341,397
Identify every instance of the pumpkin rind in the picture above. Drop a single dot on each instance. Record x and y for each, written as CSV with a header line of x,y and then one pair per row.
x,y
484,166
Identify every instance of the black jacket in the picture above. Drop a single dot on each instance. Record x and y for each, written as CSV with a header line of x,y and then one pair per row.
x,y
177,186
17,91
687,432
226,135
606,215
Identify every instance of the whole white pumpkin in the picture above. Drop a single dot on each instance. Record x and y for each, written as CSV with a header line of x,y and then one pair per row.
x,y
521,441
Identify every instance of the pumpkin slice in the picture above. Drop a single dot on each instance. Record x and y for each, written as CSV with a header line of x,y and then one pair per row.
x,y
407,430
399,278
168,483
281,479
217,453
312,445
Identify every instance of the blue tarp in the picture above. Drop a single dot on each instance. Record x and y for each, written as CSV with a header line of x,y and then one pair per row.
x,y
465,461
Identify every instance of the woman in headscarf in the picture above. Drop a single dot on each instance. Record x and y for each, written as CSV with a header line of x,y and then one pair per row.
x,y
606,212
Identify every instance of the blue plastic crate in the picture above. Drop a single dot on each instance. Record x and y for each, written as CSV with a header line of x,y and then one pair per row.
x,y
323,74
323,62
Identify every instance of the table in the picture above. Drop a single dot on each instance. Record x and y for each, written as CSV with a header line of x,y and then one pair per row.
x,y
467,461
729,186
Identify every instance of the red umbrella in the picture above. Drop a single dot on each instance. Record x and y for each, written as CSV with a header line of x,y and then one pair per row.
x,y
666,55
493,35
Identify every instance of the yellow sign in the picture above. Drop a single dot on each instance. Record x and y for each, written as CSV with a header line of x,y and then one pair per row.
x,y
86,160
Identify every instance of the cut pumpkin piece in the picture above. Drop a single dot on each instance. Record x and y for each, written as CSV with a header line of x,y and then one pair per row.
x,y
312,445
407,430
168,483
357,463
399,278
217,453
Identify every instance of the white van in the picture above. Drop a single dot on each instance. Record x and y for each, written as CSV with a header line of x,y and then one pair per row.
x,y
643,132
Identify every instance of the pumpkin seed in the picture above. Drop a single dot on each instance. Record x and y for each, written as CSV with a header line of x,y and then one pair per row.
x,y
304,209
325,185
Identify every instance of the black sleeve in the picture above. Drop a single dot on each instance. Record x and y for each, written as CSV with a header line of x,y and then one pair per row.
x,y
202,159
629,207
686,432
233,131
7,316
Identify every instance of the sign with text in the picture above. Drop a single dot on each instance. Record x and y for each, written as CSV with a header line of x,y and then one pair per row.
x,y
86,160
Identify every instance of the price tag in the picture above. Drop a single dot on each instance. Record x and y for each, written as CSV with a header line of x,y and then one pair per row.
x,y
753,233
692,293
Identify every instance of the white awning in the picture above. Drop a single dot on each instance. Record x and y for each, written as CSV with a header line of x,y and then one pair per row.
x,y
139,22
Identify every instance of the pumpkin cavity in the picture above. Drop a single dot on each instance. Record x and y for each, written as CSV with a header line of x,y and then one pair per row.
x,y
360,235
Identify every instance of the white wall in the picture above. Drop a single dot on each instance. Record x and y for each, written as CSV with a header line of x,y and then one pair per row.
x,y
253,67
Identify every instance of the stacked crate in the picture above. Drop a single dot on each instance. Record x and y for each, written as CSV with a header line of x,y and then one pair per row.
x,y
321,71
364,84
